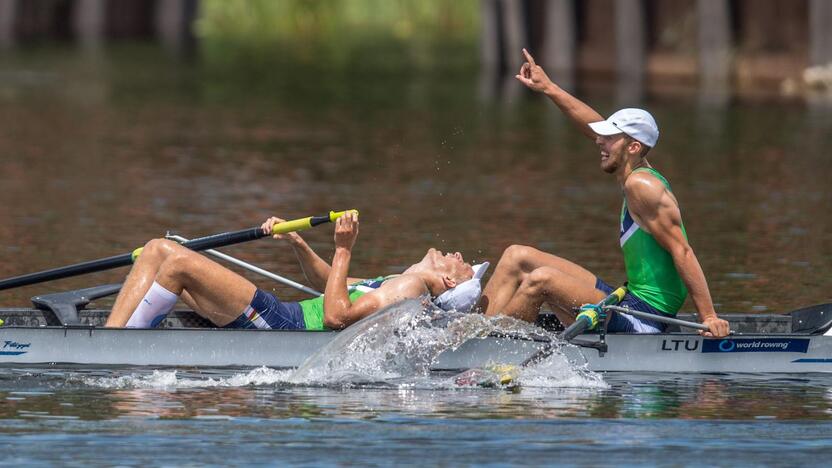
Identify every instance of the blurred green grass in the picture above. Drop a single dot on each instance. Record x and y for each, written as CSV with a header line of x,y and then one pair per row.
x,y
394,35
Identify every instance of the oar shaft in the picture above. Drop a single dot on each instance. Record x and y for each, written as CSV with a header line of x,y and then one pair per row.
x,y
581,325
202,243
91,266
658,318
252,268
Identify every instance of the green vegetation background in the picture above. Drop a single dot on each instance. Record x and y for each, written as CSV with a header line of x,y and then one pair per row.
x,y
396,35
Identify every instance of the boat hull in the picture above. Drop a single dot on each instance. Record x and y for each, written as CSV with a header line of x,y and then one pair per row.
x,y
206,347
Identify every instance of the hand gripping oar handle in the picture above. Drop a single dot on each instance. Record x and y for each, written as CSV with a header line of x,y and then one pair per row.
x,y
202,243
587,319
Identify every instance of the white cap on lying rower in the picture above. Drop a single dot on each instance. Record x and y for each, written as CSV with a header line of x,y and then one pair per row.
x,y
464,296
637,123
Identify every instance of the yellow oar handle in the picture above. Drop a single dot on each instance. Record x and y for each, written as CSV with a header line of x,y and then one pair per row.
x,y
619,294
136,253
254,233
306,223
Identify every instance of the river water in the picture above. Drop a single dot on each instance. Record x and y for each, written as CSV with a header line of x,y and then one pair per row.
x,y
98,155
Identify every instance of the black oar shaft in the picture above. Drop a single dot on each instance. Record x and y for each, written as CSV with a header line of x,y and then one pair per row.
x,y
202,243
67,271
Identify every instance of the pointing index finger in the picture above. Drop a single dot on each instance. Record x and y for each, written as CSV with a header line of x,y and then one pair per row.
x,y
529,57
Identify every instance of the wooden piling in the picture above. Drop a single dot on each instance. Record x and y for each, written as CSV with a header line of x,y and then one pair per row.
x,y
88,23
560,40
8,15
490,35
630,38
715,45
820,32
515,33
174,20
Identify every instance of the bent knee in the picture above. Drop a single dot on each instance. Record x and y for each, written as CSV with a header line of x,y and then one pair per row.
x,y
160,248
178,264
540,278
517,255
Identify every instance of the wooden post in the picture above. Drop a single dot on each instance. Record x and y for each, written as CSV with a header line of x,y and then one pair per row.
x,y
631,44
820,33
515,34
88,23
630,37
490,35
174,21
560,40
715,47
8,15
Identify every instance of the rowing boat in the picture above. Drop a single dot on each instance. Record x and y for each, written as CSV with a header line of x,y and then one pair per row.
x,y
61,330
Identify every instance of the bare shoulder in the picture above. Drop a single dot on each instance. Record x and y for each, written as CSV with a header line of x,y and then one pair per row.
x,y
643,184
404,286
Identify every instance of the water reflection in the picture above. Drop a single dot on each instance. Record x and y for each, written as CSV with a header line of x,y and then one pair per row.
x,y
67,394
431,159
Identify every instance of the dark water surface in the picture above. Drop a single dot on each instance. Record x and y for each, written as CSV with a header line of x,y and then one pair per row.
x,y
166,416
98,156
96,159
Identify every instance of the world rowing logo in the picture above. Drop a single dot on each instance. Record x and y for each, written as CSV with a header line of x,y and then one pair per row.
x,y
756,345
727,346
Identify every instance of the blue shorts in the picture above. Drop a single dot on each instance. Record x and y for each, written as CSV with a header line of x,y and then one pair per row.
x,y
267,311
623,323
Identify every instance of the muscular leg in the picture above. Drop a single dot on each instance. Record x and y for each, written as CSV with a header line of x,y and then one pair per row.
x,y
561,291
569,283
215,292
141,276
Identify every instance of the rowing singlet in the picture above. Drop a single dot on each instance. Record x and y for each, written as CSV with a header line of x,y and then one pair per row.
x,y
313,309
651,274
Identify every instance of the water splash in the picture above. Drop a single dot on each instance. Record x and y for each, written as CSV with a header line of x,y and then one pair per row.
x,y
170,379
401,344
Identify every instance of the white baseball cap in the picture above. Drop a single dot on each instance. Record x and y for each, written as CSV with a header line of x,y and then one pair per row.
x,y
637,123
465,295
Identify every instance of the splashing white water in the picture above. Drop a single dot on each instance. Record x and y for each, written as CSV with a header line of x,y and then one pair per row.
x,y
160,379
403,342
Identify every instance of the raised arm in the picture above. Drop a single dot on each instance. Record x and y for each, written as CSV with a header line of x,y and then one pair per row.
x,y
533,76
339,312
314,267
658,213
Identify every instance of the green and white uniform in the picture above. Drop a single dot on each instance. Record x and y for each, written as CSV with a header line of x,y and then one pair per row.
x,y
651,274
313,309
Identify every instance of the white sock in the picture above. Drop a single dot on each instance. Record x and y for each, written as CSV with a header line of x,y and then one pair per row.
x,y
153,308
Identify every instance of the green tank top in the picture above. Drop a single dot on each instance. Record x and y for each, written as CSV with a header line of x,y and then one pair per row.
x,y
313,309
651,274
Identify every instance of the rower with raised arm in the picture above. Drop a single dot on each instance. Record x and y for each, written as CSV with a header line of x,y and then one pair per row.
x,y
166,271
660,263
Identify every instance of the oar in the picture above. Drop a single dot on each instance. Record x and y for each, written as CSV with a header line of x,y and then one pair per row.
x,y
583,322
252,268
659,318
202,243
504,375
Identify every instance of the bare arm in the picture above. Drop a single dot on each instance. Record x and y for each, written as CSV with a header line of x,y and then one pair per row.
x,y
658,213
533,76
315,269
393,290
